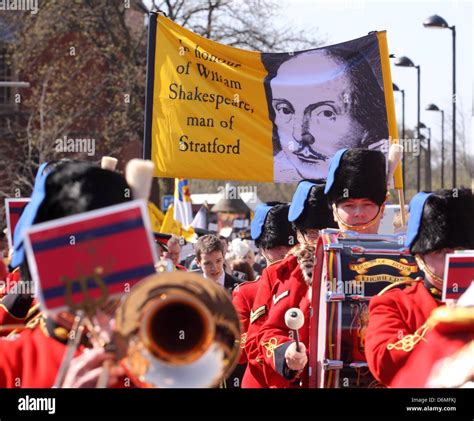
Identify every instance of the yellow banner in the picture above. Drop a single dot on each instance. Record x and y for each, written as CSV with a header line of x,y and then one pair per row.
x,y
218,112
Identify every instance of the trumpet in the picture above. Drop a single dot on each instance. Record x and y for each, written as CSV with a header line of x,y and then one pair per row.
x,y
177,330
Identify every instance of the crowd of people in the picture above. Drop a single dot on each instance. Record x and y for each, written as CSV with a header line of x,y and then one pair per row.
x,y
268,272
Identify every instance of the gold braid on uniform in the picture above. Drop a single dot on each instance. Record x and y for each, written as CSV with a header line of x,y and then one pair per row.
x,y
243,340
31,324
433,279
399,283
408,342
270,346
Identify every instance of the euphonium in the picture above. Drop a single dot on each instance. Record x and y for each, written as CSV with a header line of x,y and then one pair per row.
x,y
177,330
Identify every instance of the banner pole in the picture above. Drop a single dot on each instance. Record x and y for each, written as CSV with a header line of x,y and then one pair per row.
x,y
391,118
150,71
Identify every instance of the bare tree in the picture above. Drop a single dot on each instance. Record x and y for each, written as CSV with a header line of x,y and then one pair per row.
x,y
247,24
86,63
466,150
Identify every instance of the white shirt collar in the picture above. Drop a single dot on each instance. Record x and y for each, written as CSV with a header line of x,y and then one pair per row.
x,y
221,280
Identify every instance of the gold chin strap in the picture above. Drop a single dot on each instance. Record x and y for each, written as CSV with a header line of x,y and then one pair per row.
x,y
433,279
357,227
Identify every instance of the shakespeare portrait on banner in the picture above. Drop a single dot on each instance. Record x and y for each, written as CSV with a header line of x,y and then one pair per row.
x,y
323,100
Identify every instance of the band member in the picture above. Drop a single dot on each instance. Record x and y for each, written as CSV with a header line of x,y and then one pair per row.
x,y
16,307
32,358
445,358
161,242
357,189
283,282
357,204
439,223
275,236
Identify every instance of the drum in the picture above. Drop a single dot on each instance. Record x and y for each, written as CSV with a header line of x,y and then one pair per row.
x,y
350,269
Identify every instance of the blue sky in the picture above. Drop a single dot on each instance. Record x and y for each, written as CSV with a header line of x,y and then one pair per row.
x,y
341,20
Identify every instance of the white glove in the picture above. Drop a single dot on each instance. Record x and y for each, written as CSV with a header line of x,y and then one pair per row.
x,y
296,360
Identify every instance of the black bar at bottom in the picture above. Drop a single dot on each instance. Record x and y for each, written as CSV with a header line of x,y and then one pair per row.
x,y
429,404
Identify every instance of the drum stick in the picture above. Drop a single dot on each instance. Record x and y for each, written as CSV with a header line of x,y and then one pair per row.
x,y
294,320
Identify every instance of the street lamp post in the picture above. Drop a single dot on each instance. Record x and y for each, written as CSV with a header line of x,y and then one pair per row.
x,y
433,107
428,185
404,61
397,89
436,21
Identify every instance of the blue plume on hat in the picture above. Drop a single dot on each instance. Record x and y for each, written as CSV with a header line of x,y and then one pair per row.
x,y
441,220
416,207
299,199
28,216
333,166
258,221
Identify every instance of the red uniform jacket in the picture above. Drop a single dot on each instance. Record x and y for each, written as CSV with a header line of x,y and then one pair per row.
x,y
30,359
439,349
243,297
277,271
10,279
395,328
274,337
14,307
3,270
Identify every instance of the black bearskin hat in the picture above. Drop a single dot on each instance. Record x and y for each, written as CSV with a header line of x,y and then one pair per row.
x,y
360,174
276,230
447,221
316,212
76,187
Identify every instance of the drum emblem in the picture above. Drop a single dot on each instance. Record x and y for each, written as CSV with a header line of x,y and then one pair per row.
x,y
362,266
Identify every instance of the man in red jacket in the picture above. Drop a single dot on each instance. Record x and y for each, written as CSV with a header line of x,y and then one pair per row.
x,y
446,357
32,357
274,235
356,188
439,223
309,213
